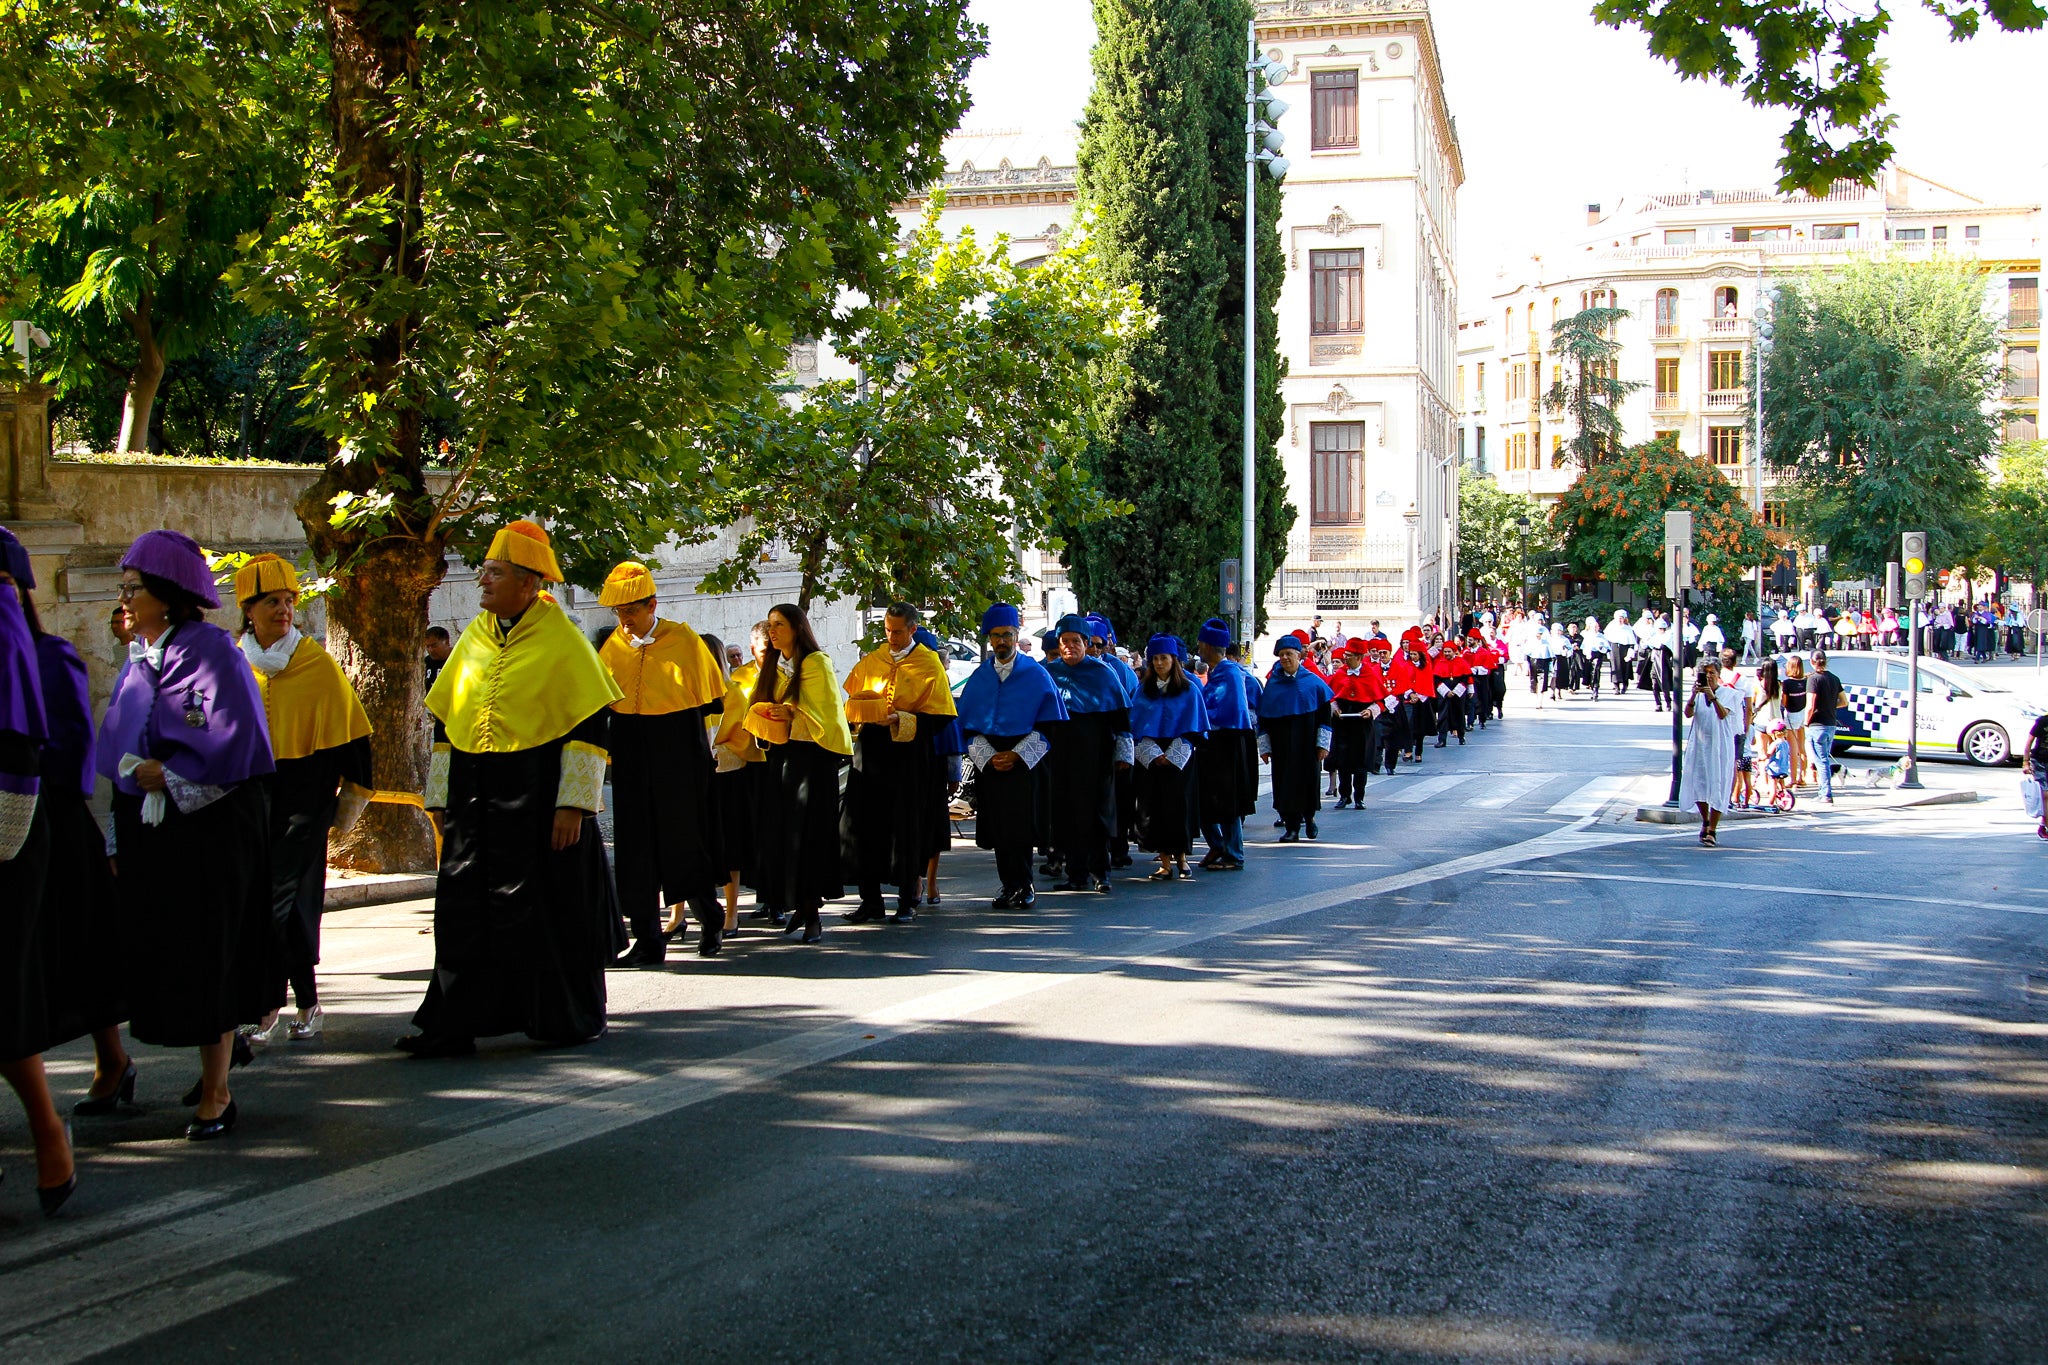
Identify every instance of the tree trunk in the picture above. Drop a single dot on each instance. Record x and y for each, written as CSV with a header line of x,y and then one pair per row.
x,y
377,613
142,380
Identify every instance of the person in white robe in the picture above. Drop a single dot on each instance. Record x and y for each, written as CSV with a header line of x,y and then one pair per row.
x,y
1708,779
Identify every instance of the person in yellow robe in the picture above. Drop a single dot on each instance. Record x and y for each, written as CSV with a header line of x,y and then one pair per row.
x,y
661,767
797,716
524,915
898,699
320,737
736,786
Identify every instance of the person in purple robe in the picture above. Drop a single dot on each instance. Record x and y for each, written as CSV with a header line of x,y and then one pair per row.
x,y
24,868
185,744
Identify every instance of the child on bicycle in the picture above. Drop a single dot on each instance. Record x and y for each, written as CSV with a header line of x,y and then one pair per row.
x,y
1778,760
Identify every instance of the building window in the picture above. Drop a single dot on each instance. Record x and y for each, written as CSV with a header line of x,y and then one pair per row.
x,y
1337,283
1461,388
1909,234
1763,234
1333,108
1667,312
2023,301
1479,452
1724,370
1727,302
1972,233
1834,232
1670,436
1724,445
2023,372
1680,236
2022,426
1774,515
1337,473
1556,452
1479,387
1941,234
1667,384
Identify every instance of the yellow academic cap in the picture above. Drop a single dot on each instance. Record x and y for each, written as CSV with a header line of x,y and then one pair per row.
x,y
628,582
263,575
526,544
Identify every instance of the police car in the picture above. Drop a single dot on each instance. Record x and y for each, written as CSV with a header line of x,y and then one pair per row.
x,y
1959,714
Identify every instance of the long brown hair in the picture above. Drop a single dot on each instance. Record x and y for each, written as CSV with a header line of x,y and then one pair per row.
x,y
806,644
1175,684
1767,676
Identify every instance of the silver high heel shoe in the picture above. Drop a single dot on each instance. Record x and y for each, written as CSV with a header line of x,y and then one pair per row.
x,y
309,1028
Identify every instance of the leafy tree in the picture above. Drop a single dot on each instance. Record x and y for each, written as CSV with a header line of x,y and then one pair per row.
x,y
1585,343
2016,513
1274,515
1611,520
1877,385
960,440
121,210
1491,543
1154,164
1816,58
572,231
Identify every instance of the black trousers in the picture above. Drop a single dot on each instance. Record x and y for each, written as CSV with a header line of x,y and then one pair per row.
x,y
1013,866
1387,738
1450,715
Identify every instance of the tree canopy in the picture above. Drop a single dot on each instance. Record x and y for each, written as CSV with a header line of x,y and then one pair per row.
x,y
1593,391
1877,385
1491,543
1817,59
958,442
2016,514
1611,520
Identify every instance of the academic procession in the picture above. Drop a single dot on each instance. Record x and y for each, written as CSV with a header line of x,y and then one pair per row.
x,y
193,915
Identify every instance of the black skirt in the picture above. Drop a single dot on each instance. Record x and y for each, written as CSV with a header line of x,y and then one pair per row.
x,y
1168,798
733,813
24,1001
81,929
195,894
1229,789
799,832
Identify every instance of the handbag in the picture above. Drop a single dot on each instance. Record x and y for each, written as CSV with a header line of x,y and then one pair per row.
x,y
2030,796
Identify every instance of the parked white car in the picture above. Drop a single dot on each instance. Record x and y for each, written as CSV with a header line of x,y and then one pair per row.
x,y
1959,713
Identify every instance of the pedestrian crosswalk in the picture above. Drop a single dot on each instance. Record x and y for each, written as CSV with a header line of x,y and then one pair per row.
x,y
1566,795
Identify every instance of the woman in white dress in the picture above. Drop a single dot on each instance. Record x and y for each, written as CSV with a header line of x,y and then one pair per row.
x,y
1708,780
1594,643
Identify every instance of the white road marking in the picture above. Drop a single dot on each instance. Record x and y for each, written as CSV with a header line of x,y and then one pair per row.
x,y
1776,889
1593,795
112,1277
55,1236
1415,792
128,1320
1508,789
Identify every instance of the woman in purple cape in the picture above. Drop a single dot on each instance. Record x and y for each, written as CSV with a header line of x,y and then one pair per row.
x,y
185,745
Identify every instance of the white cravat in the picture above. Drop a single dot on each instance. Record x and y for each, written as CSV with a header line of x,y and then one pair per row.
x,y
269,662
141,652
899,655
1002,669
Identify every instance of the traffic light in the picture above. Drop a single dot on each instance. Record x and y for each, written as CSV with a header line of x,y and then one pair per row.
x,y
1227,593
1913,560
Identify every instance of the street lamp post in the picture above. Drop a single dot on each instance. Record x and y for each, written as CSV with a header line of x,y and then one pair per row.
x,y
1523,522
1262,144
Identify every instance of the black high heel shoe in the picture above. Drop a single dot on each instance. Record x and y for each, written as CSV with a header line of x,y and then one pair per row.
x,y
53,1197
205,1130
99,1106
240,1054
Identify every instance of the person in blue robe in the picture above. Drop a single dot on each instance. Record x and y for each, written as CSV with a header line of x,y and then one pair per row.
x,y
1169,721
1294,736
1088,747
1102,644
1229,788
1005,710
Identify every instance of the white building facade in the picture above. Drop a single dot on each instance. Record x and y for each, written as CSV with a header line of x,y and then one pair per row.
x,y
1690,268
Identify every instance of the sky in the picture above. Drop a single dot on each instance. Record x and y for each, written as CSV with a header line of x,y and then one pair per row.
x,y
1555,112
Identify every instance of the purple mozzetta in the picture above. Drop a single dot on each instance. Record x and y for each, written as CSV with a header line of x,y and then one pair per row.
x,y
198,712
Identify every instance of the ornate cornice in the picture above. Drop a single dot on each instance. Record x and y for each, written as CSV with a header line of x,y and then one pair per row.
x,y
971,187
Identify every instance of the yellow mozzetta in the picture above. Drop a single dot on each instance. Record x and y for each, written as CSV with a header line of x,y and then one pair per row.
x,y
878,687
501,693
309,704
675,673
819,718
732,727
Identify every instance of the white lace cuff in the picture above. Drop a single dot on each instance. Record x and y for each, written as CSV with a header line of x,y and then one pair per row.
x,y
1265,744
1145,751
1373,709
190,796
1179,752
17,813
1032,749
436,795
1479,672
1123,748
582,783
979,752
1323,737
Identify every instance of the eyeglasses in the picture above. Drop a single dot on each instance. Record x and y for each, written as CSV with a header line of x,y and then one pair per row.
x,y
129,590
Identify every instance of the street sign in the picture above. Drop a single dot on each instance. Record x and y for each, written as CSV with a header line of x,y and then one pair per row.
x,y
1891,584
1913,559
1677,552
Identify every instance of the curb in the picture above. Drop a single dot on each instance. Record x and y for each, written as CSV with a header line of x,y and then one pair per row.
x,y
1664,815
350,890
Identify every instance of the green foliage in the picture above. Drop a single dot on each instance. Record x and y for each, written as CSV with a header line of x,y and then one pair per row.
x,y
2016,513
1611,520
1876,391
1585,343
1164,177
960,441
1490,543
1816,58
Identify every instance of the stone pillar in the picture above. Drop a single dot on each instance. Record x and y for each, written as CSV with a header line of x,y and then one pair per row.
x,y
26,504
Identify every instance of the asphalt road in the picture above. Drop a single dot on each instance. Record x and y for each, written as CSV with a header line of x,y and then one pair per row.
x,y
1490,1073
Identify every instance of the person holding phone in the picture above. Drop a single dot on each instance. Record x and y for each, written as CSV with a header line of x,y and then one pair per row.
x,y
1708,779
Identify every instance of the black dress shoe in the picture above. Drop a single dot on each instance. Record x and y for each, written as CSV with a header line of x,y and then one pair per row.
x,y
1026,898
867,912
1007,900
1053,867
648,952
422,1045
205,1130
1079,883
1290,837
1100,885
52,1197
99,1106
1310,829
711,940
906,914
1120,860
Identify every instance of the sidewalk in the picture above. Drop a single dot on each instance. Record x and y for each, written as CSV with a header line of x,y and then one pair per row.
x,y
1865,784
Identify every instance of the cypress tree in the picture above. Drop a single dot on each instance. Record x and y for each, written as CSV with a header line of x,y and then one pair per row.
x,y
1163,177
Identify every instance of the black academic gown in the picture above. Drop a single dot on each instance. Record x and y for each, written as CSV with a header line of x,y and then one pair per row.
x,y
522,933
1081,787
303,795
24,999
1168,801
1297,774
1230,776
887,834
664,837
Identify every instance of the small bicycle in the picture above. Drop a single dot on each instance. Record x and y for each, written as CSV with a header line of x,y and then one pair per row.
x,y
1783,800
